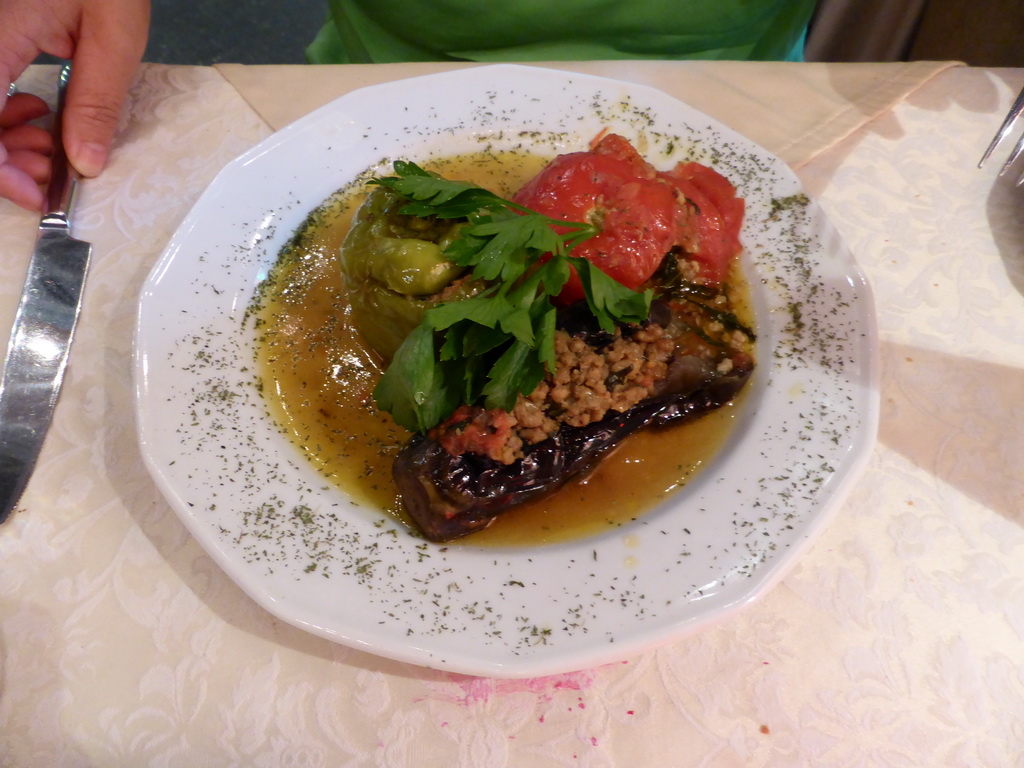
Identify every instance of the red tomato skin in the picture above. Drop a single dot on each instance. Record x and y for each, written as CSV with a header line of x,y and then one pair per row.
x,y
719,219
613,186
643,213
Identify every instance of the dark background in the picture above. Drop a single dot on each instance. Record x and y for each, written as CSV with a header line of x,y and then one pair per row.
x,y
234,31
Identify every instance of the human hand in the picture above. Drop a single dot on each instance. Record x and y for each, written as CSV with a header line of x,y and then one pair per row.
x,y
24,151
105,40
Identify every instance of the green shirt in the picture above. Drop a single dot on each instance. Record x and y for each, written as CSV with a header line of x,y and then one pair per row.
x,y
363,31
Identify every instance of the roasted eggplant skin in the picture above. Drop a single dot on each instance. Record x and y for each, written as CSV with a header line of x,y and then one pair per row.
x,y
451,496
394,269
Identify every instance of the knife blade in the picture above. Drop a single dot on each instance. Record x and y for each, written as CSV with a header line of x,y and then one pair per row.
x,y
43,328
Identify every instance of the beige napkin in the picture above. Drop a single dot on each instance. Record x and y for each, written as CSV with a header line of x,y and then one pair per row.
x,y
793,110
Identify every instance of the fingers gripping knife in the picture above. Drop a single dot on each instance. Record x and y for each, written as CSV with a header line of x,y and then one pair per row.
x,y
41,337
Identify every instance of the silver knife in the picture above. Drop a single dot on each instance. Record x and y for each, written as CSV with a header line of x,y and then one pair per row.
x,y
41,337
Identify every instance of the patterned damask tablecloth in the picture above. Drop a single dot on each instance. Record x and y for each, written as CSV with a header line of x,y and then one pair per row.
x,y
897,640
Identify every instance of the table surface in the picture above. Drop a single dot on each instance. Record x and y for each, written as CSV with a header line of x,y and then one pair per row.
x,y
896,640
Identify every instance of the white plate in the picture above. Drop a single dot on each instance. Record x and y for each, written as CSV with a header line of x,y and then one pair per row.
x,y
267,517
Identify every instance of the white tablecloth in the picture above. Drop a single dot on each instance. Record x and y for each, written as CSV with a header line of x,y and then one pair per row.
x,y
897,640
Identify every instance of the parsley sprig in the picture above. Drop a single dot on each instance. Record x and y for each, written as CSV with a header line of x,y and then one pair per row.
x,y
497,344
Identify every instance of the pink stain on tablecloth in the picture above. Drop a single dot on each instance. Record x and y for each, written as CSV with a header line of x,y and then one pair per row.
x,y
467,691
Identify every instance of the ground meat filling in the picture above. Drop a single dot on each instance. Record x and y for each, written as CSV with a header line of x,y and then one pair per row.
x,y
587,383
600,374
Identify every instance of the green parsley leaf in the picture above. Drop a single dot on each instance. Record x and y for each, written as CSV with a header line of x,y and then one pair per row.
x,y
421,396
433,195
482,309
494,346
607,300
517,371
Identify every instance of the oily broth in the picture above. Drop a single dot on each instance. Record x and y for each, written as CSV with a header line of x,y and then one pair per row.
x,y
316,375
318,379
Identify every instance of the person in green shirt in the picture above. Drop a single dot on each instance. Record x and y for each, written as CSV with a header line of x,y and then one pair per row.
x,y
365,31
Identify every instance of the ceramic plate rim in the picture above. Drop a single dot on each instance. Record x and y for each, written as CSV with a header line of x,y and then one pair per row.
x,y
562,649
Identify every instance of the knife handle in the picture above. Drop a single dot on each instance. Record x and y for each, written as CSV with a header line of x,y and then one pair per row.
x,y
64,178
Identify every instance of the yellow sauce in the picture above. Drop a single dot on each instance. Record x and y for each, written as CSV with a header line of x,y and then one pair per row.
x,y
317,378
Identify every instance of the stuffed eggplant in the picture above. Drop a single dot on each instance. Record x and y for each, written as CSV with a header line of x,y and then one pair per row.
x,y
527,338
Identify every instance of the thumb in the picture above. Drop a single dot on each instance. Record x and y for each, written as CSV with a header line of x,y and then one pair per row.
x,y
110,46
